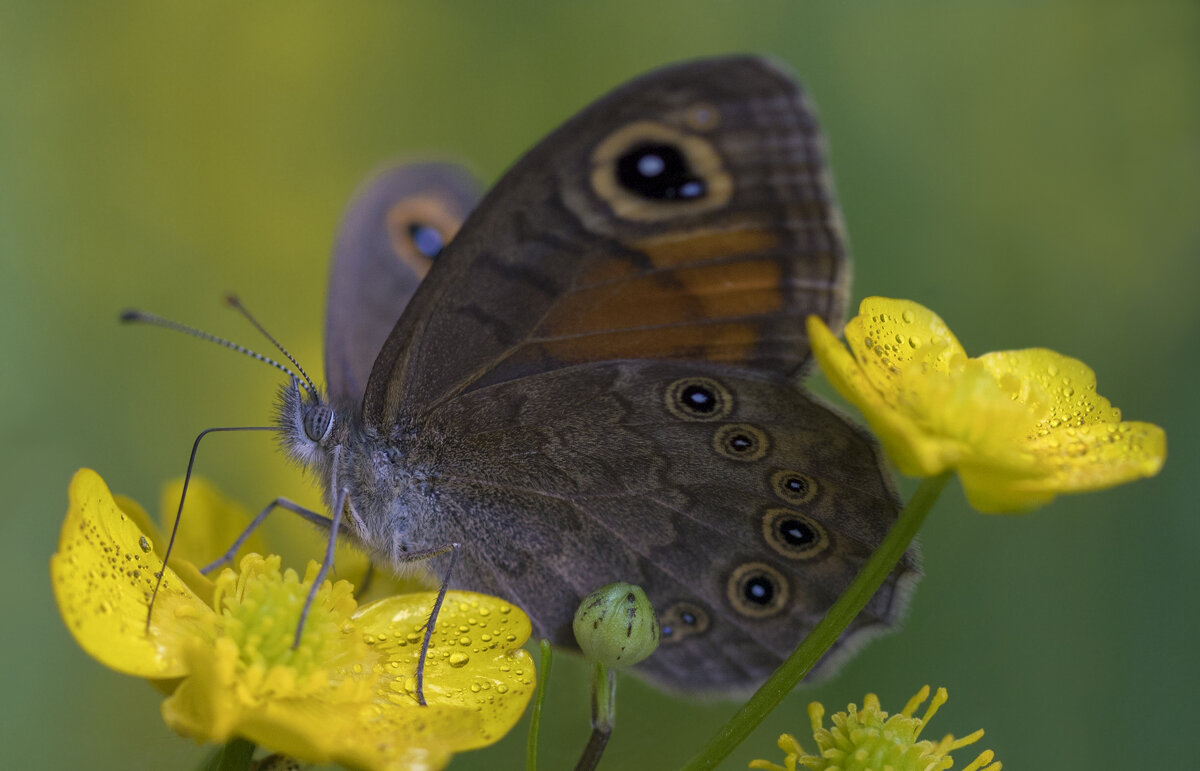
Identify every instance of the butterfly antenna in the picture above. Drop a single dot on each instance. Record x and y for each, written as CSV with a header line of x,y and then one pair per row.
x,y
235,303
144,317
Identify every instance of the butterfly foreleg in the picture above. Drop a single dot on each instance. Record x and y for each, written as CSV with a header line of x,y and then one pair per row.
x,y
279,503
424,554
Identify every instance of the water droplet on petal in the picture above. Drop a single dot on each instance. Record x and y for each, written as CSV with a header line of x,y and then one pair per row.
x,y
458,659
144,543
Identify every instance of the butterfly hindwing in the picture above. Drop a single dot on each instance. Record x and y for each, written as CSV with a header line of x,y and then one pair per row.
x,y
743,522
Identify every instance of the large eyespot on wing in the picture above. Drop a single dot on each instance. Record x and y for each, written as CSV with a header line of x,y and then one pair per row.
x,y
687,215
396,225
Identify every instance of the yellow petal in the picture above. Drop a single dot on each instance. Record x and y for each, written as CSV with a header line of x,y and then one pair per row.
x,y
363,712
478,680
914,451
888,336
1020,427
103,574
185,569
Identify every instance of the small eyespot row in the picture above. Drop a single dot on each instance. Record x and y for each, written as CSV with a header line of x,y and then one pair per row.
x,y
741,441
757,590
682,620
793,487
794,535
698,399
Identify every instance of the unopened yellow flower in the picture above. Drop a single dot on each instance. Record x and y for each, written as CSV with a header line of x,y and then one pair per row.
x,y
1019,427
869,739
223,649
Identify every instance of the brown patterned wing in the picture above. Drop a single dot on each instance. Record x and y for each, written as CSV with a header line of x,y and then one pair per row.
x,y
687,215
742,506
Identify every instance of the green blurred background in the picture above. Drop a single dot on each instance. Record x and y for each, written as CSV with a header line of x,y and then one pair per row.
x,y
1030,171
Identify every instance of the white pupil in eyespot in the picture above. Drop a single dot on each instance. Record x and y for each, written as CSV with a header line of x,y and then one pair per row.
x,y
650,165
691,190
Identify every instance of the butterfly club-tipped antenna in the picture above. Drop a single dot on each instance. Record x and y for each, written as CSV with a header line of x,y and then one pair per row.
x,y
302,380
135,316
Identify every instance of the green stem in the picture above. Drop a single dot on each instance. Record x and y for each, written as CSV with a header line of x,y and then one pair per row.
x,y
539,700
233,756
604,702
809,652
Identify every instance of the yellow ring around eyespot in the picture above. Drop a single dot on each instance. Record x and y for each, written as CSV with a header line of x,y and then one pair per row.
x,y
736,583
776,541
779,486
676,406
672,618
702,159
760,442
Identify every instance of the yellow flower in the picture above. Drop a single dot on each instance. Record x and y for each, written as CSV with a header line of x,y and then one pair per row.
x,y
869,739
222,649
1019,427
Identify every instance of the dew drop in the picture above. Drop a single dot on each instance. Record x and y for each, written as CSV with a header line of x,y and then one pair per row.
x,y
144,543
501,688
475,688
464,640
458,659
909,317
914,342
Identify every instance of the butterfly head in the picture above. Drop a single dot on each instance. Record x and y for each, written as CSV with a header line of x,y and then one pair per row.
x,y
309,425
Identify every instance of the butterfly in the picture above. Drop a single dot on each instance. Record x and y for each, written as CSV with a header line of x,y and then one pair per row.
x,y
591,374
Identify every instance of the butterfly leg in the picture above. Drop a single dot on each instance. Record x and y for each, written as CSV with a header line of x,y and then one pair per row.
x,y
424,554
330,547
278,503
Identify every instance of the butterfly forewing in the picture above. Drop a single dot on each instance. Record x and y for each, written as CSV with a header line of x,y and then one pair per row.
x,y
687,215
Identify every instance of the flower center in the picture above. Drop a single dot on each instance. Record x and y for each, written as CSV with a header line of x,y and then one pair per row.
x,y
260,612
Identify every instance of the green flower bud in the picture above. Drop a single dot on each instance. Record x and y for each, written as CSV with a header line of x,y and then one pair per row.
x,y
616,626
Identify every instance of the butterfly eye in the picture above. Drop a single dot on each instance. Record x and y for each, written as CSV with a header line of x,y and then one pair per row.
x,y
426,238
660,172
794,535
318,422
757,590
